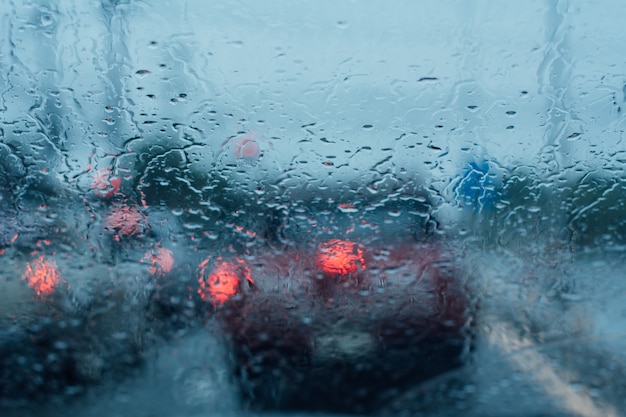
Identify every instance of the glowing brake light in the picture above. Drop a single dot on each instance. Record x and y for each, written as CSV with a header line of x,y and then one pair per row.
x,y
340,257
125,221
160,259
103,185
247,147
42,276
224,280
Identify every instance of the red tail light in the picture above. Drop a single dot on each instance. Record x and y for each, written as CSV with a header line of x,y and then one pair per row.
x,y
340,257
221,283
247,147
42,276
125,221
160,259
103,185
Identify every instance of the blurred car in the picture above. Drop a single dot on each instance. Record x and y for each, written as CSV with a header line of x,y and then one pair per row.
x,y
340,326
350,302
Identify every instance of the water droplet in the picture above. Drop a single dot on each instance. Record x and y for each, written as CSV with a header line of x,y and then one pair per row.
x,y
573,136
368,127
572,297
342,24
46,20
347,208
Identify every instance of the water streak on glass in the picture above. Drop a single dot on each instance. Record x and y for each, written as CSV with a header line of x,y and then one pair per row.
x,y
293,207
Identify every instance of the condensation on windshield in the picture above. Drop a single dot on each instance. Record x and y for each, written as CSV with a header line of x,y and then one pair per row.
x,y
351,207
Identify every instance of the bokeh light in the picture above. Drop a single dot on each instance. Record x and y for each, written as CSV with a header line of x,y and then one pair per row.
x,y
161,261
223,281
103,185
247,147
42,276
340,257
125,221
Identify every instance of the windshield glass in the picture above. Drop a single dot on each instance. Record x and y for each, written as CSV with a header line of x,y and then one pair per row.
x,y
352,207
